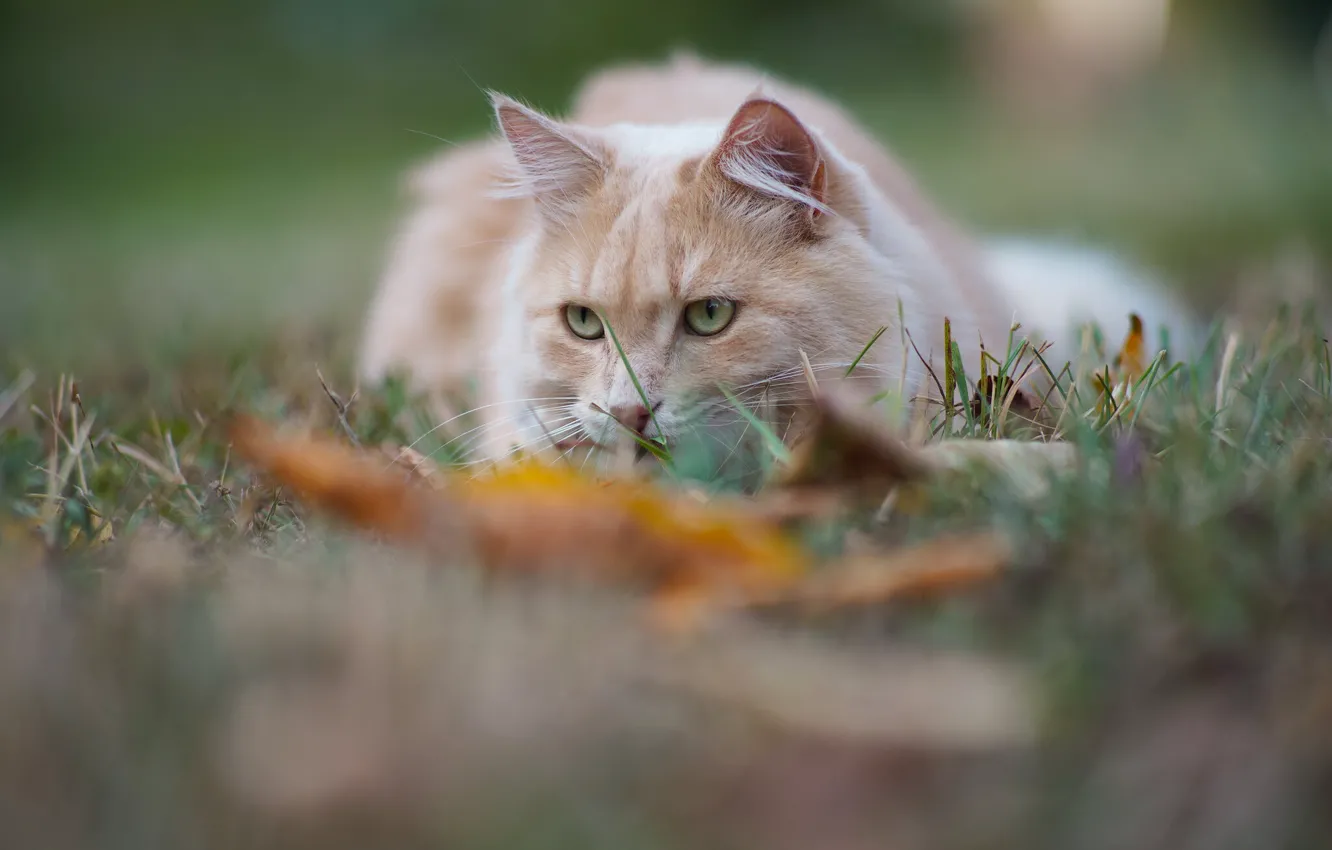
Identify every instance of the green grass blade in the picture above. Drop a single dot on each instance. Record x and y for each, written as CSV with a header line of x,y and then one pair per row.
x,y
865,350
660,451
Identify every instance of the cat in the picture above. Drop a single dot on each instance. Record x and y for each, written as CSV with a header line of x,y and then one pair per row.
x,y
732,237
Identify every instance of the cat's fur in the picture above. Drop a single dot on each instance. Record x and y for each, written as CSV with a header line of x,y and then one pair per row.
x,y
683,181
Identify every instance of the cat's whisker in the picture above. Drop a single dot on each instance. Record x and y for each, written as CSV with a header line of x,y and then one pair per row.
x,y
553,436
488,407
565,412
761,392
782,395
493,404
587,456
860,368
767,379
799,370
799,384
710,430
574,443
798,373
478,432
526,441
528,434
793,393
495,423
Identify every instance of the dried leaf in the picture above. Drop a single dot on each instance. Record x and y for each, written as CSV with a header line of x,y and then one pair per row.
x,y
336,479
696,557
416,463
1116,384
934,567
630,529
1131,360
850,455
536,518
847,447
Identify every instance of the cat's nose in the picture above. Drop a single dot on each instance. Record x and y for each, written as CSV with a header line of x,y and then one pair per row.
x,y
634,416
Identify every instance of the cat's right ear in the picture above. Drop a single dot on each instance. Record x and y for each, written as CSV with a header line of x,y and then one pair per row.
x,y
557,165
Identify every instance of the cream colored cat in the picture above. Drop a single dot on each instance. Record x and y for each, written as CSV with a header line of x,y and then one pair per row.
x,y
722,227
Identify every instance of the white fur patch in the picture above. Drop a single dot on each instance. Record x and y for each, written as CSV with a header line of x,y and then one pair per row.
x,y
1057,287
640,144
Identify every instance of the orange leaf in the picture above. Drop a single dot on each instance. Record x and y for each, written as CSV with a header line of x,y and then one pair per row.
x,y
927,569
530,517
1116,385
333,478
1130,363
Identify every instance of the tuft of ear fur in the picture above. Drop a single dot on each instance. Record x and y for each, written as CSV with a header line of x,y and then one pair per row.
x,y
765,148
557,165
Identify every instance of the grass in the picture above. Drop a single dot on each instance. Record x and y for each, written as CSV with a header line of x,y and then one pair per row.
x,y
1171,598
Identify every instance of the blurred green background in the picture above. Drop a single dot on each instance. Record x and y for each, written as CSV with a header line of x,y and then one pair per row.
x,y
176,177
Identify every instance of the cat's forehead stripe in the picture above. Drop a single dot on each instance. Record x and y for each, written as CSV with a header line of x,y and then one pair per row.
x,y
637,267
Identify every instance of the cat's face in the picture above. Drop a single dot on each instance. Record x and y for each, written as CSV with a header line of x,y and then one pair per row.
x,y
671,269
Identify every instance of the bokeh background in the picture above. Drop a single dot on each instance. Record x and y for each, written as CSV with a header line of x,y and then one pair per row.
x,y
176,177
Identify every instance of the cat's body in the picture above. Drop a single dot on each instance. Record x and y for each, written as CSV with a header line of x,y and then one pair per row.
x,y
682,198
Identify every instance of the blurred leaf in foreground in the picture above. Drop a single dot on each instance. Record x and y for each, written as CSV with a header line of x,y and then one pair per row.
x,y
692,556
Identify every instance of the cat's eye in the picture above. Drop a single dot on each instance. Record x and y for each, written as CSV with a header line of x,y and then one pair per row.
x,y
709,316
584,322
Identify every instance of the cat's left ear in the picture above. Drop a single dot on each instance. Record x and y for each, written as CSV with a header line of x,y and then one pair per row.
x,y
765,148
558,165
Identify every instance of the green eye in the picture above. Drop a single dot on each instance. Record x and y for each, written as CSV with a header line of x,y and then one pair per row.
x,y
709,316
584,322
